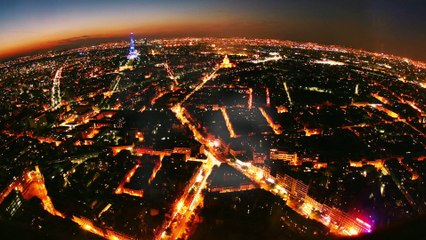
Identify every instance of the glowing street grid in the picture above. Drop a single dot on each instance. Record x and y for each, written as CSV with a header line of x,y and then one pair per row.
x,y
173,137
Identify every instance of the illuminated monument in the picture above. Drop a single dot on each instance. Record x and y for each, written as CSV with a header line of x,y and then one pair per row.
x,y
133,53
131,57
226,63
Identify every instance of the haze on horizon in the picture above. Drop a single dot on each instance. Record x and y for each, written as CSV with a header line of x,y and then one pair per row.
x,y
389,26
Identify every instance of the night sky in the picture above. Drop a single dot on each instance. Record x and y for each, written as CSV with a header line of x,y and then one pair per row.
x,y
391,26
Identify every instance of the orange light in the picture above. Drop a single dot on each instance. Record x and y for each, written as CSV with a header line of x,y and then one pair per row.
x,y
156,169
179,205
158,96
226,63
268,99
353,231
120,189
319,165
275,127
259,175
87,227
310,132
307,208
228,123
250,100
355,164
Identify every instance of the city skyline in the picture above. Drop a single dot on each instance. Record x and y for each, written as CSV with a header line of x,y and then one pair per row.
x,y
206,120
392,27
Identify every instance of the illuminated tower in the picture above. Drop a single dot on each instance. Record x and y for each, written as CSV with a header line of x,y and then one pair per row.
x,y
132,52
357,89
56,90
132,43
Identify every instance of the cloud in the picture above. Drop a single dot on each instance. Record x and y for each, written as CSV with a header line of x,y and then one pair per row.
x,y
71,40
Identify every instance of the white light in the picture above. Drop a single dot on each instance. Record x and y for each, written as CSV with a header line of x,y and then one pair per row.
x,y
329,62
199,177
270,180
244,164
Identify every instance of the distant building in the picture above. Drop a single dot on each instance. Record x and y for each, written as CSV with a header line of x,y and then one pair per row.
x,y
226,63
12,205
259,157
38,122
237,152
422,118
276,154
